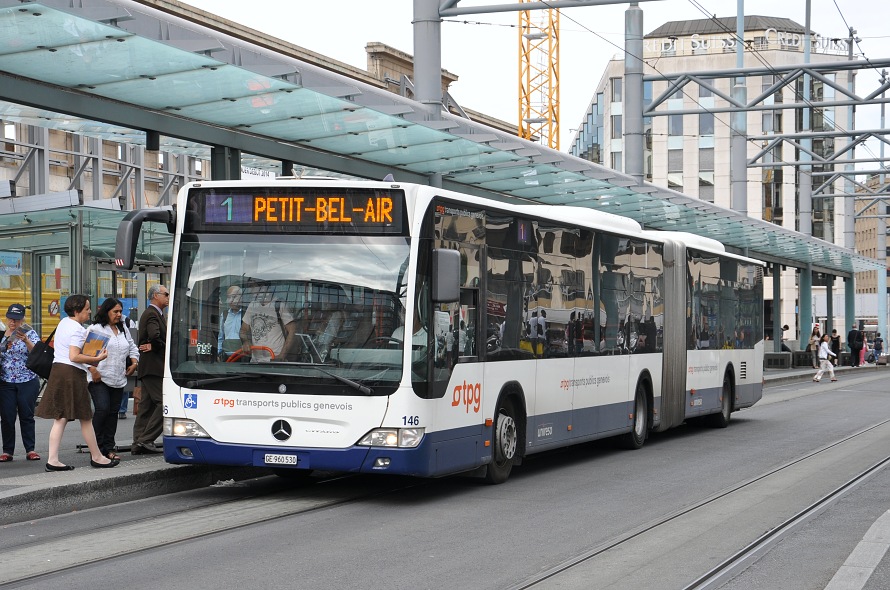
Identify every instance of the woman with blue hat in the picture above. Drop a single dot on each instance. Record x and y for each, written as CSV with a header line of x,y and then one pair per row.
x,y
19,386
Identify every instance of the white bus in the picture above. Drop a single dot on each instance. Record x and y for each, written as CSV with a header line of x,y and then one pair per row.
x,y
531,327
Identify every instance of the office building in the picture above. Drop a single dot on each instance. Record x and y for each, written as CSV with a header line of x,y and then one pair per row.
x,y
691,153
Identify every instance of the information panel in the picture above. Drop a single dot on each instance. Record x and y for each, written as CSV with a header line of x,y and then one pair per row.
x,y
303,210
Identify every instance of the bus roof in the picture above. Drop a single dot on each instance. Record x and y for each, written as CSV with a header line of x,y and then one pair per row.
x,y
595,219
701,243
581,215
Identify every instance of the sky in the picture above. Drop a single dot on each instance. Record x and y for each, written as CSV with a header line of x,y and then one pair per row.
x,y
483,49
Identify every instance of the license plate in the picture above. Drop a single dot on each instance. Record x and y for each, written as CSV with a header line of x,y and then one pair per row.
x,y
280,459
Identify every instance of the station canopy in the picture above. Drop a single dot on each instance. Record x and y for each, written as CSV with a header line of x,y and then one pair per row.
x,y
115,69
50,231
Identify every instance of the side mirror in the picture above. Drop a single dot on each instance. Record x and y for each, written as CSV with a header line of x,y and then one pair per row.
x,y
446,275
128,232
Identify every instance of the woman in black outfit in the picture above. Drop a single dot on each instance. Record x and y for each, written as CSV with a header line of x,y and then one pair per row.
x,y
836,346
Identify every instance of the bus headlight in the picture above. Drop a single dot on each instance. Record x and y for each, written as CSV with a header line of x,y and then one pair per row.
x,y
393,437
183,427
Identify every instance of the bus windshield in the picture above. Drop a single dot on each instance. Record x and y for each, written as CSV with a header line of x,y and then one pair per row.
x,y
289,314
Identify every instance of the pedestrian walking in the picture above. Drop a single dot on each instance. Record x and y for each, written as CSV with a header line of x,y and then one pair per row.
x,y
152,345
815,340
19,386
825,353
854,341
66,397
836,346
108,379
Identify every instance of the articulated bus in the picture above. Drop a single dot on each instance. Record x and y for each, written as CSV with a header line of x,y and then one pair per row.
x,y
531,327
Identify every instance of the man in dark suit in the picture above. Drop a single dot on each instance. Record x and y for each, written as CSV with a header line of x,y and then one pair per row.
x,y
152,344
854,341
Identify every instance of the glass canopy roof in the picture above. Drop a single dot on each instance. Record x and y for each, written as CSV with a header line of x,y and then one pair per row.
x,y
174,74
49,231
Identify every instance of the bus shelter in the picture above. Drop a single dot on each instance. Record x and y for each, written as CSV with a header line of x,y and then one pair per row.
x,y
47,255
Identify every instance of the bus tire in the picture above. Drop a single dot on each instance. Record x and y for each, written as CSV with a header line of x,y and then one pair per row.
x,y
721,419
637,436
505,444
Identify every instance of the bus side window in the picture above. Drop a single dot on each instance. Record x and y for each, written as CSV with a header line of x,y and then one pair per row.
x,y
467,335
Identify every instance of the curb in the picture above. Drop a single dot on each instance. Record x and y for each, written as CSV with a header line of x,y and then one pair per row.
x,y
771,380
33,500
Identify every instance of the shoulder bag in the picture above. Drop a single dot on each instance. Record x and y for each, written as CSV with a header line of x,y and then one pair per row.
x,y
40,359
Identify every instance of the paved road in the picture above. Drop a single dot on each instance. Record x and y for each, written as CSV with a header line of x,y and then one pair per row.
x,y
27,492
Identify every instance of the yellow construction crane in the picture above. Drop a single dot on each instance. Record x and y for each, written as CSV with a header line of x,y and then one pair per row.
x,y
539,76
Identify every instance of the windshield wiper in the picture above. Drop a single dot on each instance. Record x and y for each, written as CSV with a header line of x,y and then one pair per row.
x,y
353,384
194,384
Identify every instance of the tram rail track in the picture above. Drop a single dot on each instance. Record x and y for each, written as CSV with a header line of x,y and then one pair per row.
x,y
586,569
725,571
81,549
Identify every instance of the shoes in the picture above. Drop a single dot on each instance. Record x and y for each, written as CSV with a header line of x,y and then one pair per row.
x,y
834,379
144,449
113,456
112,463
122,416
815,380
5,458
32,456
59,467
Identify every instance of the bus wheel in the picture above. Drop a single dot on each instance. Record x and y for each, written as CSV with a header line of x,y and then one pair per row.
x,y
721,420
637,435
506,441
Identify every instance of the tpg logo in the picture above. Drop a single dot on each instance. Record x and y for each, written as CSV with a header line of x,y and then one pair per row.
x,y
470,394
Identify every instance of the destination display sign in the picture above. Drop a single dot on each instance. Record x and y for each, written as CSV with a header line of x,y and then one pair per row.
x,y
303,210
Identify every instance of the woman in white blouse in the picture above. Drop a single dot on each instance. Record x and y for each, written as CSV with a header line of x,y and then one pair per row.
x,y
108,379
66,397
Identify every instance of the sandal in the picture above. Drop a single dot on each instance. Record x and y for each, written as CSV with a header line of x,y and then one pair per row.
x,y
32,456
5,458
113,456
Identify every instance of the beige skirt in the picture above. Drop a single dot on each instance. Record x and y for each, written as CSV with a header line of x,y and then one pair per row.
x,y
66,395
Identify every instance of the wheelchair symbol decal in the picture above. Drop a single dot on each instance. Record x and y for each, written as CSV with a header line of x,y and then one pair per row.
x,y
191,401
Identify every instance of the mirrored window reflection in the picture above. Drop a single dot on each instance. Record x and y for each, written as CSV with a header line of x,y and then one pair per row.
x,y
551,290
723,308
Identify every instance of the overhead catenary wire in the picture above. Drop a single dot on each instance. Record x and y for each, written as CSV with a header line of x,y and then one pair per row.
x,y
665,76
856,39
753,51
762,59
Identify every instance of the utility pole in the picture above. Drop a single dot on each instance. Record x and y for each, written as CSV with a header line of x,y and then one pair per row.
x,y
882,233
738,142
634,151
805,196
850,201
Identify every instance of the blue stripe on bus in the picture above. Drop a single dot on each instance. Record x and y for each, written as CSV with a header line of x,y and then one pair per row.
x,y
439,453
442,452
746,395
547,431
